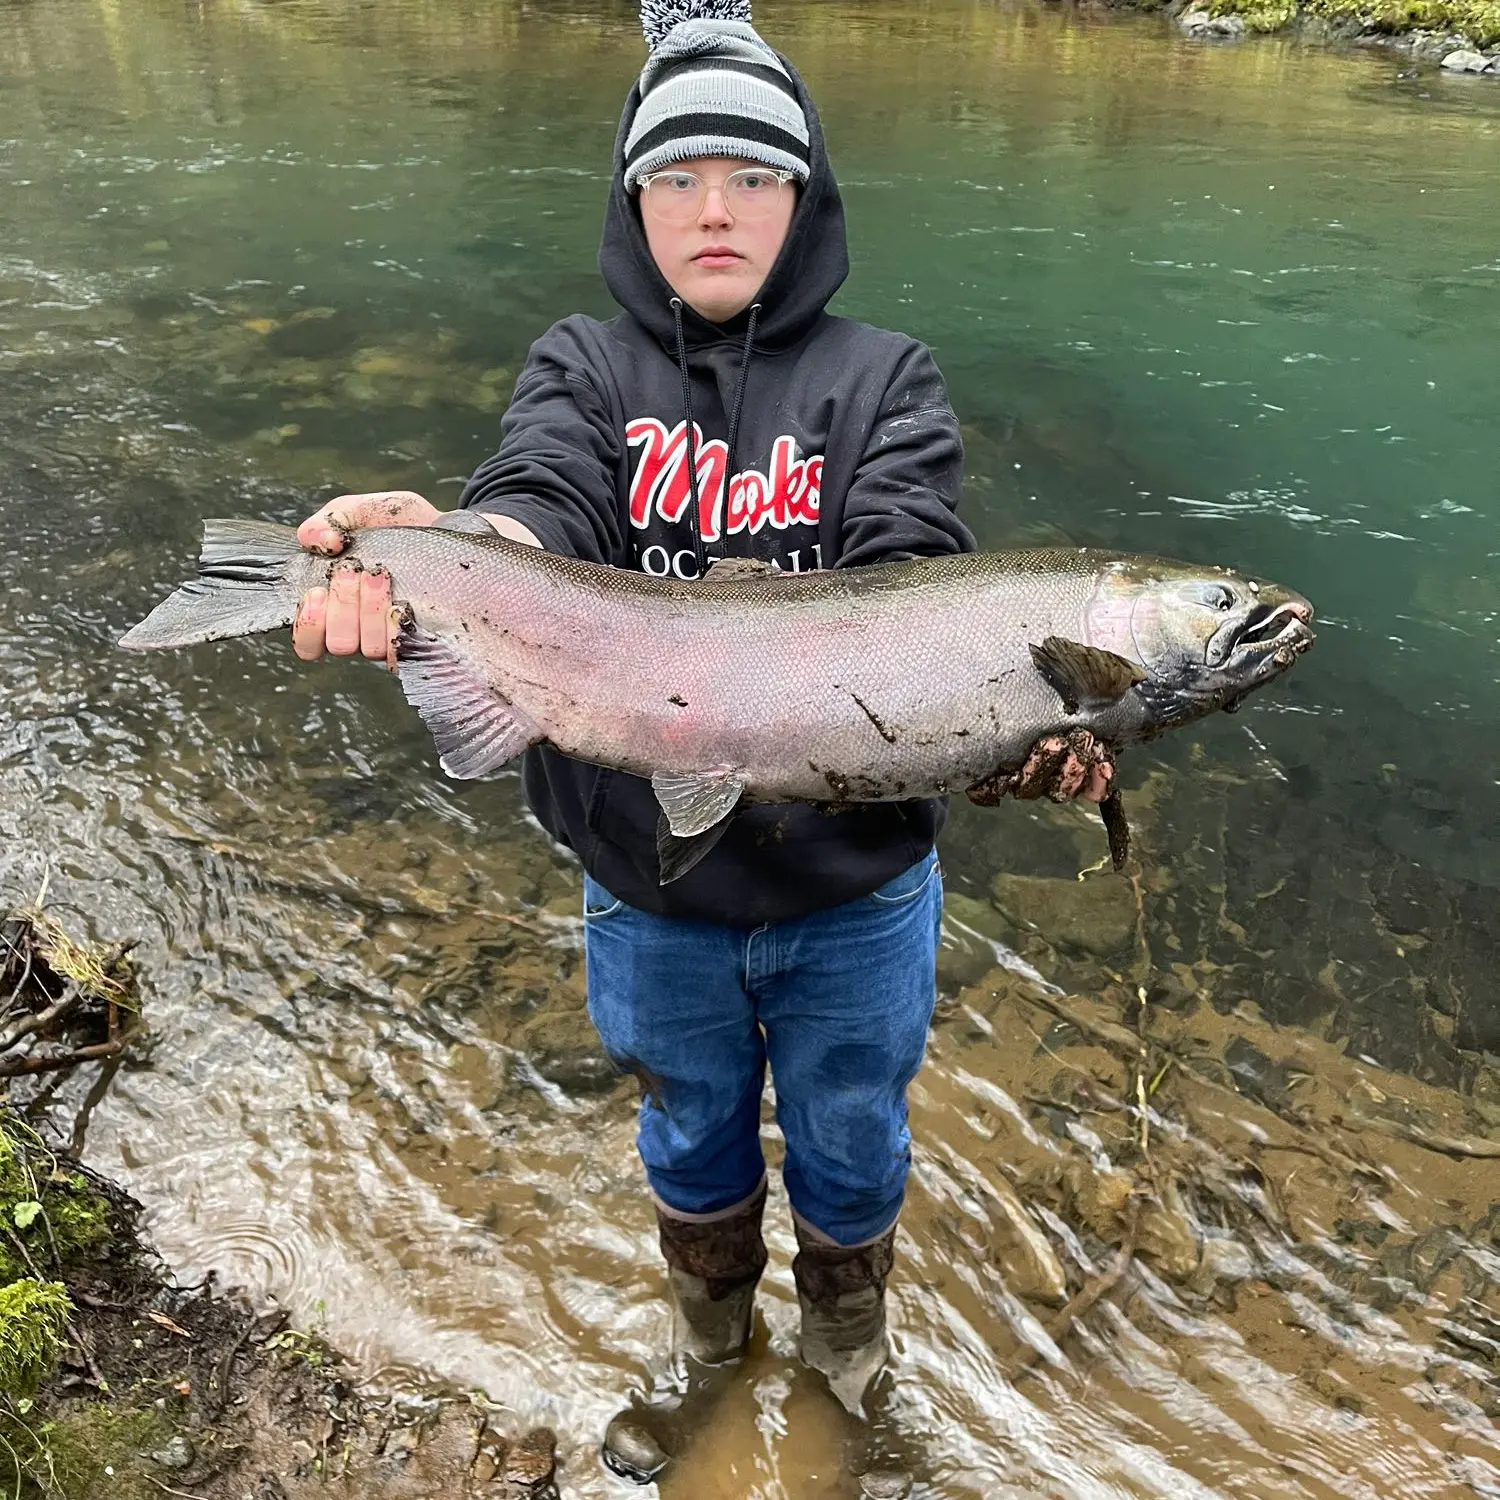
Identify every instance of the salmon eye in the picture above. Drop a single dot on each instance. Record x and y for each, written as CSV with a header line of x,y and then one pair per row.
x,y
1217,597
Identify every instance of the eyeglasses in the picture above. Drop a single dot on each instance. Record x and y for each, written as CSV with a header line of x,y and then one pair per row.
x,y
678,197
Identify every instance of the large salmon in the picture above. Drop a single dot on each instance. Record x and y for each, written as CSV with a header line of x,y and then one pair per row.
x,y
908,679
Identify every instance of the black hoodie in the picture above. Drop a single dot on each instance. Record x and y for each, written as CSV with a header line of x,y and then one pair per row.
x,y
847,452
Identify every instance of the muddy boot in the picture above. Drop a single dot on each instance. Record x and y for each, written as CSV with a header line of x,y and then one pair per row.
x,y
712,1270
842,1293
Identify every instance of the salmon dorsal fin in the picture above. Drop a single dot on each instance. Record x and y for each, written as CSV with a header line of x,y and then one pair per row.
x,y
727,569
696,808
1084,674
476,731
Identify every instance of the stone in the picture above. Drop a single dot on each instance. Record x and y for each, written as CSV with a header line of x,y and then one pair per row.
x,y
1200,23
1225,1262
1094,916
564,1048
530,1464
1465,61
175,1453
1029,1264
966,951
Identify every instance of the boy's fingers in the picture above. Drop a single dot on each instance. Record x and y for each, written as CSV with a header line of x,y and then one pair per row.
x,y
375,615
341,632
321,533
395,619
307,627
1099,782
327,529
1069,779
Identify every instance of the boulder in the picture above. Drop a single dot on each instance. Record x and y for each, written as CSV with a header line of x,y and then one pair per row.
x,y
1465,61
1202,23
1095,917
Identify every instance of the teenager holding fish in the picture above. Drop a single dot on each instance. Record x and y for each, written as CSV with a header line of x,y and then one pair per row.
x,y
726,415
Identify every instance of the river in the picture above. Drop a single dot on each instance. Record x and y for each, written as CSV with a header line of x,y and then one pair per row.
x,y
1234,303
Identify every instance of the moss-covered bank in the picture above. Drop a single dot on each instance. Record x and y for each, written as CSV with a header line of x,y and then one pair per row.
x,y
115,1384
1432,28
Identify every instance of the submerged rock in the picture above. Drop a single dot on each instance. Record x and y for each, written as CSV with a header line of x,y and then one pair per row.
x,y
1095,916
1027,1261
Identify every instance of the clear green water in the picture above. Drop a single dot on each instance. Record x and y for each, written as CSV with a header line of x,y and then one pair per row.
x,y
1232,303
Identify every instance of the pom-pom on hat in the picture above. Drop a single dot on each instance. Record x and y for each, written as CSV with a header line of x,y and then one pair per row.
x,y
712,87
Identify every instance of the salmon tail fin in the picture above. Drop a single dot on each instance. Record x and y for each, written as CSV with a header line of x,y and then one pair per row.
x,y
250,576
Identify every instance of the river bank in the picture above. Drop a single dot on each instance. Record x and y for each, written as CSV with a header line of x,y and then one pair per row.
x,y
118,1384
1459,35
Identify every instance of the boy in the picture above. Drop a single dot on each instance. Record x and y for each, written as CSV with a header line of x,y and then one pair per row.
x,y
727,415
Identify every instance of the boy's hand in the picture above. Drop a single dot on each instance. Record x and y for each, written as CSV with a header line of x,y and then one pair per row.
x,y
1063,767
353,614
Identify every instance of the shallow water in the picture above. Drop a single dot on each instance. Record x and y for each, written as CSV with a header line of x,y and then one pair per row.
x,y
1229,303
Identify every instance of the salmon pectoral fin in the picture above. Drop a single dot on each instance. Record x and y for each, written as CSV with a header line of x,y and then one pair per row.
x,y
675,856
696,808
1084,674
476,731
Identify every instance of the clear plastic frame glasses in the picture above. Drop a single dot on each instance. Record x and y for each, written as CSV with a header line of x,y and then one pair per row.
x,y
677,197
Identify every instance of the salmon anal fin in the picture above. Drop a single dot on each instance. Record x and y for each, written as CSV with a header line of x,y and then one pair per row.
x,y
1084,674
476,731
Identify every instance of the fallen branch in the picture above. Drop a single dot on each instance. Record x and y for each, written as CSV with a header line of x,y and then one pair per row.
x,y
32,1021
15,1067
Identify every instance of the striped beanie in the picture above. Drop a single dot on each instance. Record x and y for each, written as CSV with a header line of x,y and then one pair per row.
x,y
712,87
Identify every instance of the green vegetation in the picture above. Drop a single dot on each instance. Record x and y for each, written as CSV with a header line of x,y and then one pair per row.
x,y
92,1451
1258,15
33,1315
48,1217
50,1220
1478,20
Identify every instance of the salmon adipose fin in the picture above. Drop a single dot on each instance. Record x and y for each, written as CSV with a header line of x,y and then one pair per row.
x,y
696,808
250,576
1084,674
476,731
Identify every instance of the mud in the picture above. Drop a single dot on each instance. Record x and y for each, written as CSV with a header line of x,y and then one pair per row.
x,y
160,1388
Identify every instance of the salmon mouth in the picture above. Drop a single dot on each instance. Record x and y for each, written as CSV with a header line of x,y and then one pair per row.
x,y
1274,630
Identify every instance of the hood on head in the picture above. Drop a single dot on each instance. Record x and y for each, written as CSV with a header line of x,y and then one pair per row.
x,y
811,267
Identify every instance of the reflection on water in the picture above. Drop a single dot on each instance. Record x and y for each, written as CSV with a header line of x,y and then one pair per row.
x,y
1205,1171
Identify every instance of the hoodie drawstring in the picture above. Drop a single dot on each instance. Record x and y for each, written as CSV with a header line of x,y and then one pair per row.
x,y
739,392
700,552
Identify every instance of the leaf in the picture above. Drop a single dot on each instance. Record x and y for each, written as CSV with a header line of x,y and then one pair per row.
x,y
25,1213
24,1405
167,1323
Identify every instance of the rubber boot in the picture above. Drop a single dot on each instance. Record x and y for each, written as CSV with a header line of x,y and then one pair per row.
x,y
712,1271
842,1293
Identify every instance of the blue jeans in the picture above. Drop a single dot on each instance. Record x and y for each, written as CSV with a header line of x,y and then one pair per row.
x,y
838,1003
